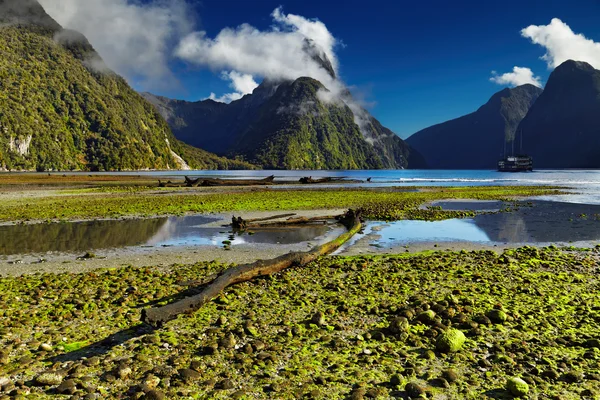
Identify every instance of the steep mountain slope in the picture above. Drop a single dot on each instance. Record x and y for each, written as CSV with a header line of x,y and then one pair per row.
x,y
476,140
562,129
61,108
287,125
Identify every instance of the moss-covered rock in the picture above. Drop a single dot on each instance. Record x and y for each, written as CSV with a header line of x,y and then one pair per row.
x,y
517,387
451,341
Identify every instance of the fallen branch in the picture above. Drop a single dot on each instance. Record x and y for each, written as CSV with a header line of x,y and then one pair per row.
x,y
159,315
269,180
168,184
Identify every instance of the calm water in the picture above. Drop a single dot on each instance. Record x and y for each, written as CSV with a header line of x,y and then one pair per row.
x,y
158,232
584,184
543,223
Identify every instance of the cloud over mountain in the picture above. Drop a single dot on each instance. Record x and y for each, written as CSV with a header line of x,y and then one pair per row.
x,y
562,44
293,47
134,39
519,76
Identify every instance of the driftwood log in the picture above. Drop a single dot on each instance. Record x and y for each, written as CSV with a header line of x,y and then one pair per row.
x,y
168,184
157,316
269,180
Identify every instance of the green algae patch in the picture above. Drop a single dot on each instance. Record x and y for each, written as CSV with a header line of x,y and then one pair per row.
x,y
341,327
378,204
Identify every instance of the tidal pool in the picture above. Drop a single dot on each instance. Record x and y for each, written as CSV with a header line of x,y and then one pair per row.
x,y
527,223
76,237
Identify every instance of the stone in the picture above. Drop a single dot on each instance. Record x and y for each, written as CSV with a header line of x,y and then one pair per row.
x,y
318,319
497,316
399,325
517,387
49,379
45,347
154,395
67,387
414,390
189,375
450,341
450,375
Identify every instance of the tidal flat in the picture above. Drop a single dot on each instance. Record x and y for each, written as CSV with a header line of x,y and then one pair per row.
x,y
436,324
342,327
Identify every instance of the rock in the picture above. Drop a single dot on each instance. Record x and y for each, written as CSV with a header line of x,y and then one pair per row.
x,y
358,394
189,375
154,395
517,387
573,377
67,387
450,375
497,316
450,341
399,325
396,380
226,384
228,342
45,347
49,379
426,317
151,382
414,390
592,343
124,372
318,319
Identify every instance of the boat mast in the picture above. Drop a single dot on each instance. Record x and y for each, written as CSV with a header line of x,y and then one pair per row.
x,y
513,145
521,149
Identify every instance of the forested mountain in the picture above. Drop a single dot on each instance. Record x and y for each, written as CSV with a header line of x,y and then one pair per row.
x,y
62,109
288,125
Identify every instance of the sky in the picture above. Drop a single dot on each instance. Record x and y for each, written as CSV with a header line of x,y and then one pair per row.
x,y
411,64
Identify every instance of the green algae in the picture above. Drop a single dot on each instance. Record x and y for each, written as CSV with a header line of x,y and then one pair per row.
x,y
261,338
378,204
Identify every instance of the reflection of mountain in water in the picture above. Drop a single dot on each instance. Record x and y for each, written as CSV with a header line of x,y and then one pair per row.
x,y
189,230
546,222
77,237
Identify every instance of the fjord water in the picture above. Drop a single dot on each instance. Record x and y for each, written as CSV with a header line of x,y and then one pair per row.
x,y
583,185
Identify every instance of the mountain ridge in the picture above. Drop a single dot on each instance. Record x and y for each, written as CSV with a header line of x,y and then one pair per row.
x,y
476,140
287,125
562,129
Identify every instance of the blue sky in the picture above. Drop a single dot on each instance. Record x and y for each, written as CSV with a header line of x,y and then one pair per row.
x,y
416,63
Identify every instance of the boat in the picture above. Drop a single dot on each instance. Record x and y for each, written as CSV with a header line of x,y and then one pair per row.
x,y
520,163
515,163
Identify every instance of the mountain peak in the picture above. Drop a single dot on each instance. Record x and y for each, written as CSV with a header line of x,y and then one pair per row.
x,y
571,65
26,12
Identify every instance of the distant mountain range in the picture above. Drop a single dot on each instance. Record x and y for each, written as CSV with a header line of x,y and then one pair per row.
x,y
562,128
62,109
559,126
288,125
477,140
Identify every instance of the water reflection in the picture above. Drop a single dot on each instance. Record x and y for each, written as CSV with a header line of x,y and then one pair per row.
x,y
544,223
76,237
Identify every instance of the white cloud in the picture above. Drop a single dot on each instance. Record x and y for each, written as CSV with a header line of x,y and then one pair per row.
x,y
241,83
286,51
134,39
519,76
562,44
